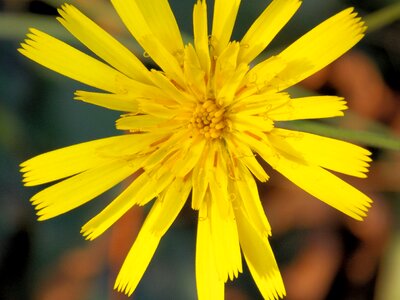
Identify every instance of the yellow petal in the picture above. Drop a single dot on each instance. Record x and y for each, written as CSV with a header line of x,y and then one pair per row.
x,y
102,43
138,123
263,76
200,32
190,157
228,74
136,262
140,191
218,181
68,61
164,59
250,201
200,179
138,144
257,142
158,221
224,231
133,18
127,101
209,285
169,89
168,206
165,150
224,236
260,258
153,25
118,102
329,153
322,185
319,47
157,110
243,122
260,103
156,16
75,191
195,75
308,108
310,177
224,18
243,153
226,245
67,161
231,85
265,28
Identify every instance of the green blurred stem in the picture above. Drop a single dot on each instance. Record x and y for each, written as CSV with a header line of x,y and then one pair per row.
x,y
383,17
14,26
367,138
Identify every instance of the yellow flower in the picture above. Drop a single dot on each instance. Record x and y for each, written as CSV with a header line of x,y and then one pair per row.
x,y
197,128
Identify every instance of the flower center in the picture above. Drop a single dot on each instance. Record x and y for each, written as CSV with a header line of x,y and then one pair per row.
x,y
208,119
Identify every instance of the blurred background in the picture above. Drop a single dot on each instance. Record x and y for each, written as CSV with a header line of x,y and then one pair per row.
x,y
322,254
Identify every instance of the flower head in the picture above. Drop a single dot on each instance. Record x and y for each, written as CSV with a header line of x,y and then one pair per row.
x,y
199,126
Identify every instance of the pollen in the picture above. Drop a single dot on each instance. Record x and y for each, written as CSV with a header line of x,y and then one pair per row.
x,y
208,119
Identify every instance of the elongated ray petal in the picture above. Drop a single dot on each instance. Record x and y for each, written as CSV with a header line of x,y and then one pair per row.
x,y
319,47
67,161
224,18
243,122
260,258
209,285
138,123
164,59
251,203
134,144
227,93
225,241
68,61
160,21
257,143
170,90
260,103
75,191
218,182
228,75
170,204
223,226
329,153
162,41
119,102
160,218
165,150
308,108
102,43
200,32
191,157
142,190
136,262
243,153
322,185
195,75
265,28
200,179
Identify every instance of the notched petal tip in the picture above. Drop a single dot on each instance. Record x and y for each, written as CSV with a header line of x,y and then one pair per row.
x,y
66,6
28,182
79,95
22,48
42,216
87,233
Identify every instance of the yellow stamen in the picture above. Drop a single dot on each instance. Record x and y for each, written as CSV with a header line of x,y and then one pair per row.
x,y
208,119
